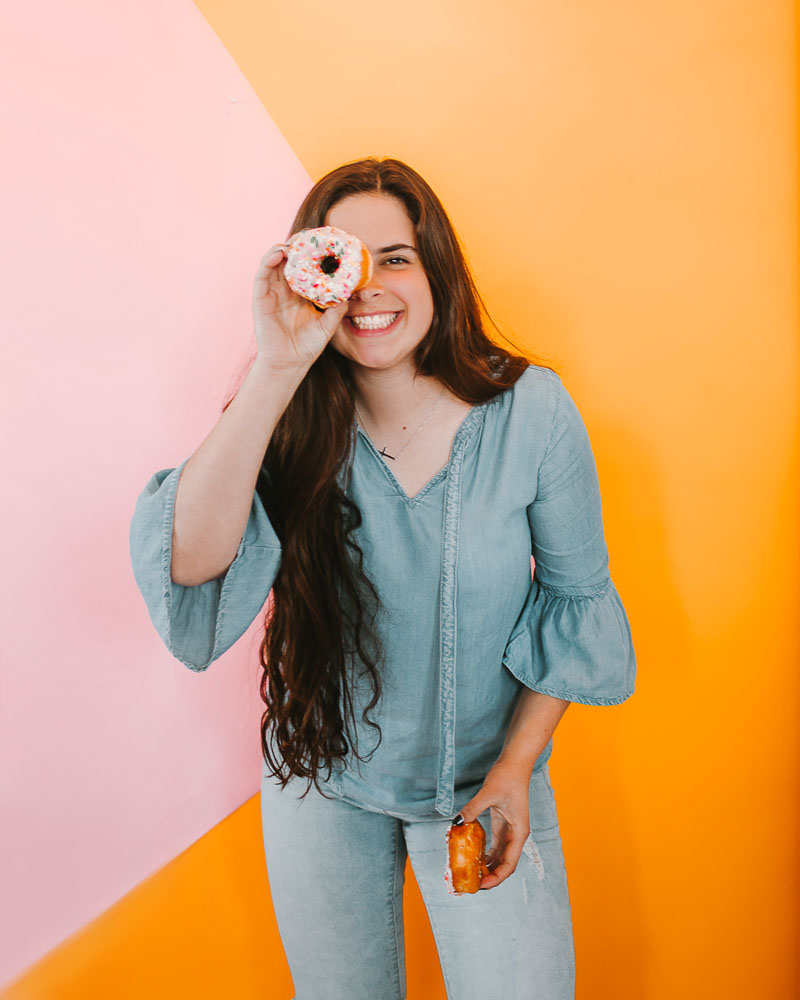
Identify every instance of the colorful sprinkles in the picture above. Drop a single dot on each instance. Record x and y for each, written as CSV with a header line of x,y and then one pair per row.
x,y
326,265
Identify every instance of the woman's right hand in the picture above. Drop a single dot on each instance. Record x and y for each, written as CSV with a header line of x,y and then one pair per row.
x,y
290,331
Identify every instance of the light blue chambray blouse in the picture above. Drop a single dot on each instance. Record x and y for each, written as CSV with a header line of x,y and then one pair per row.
x,y
463,622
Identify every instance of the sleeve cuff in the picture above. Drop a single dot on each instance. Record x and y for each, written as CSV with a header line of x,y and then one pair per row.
x,y
574,645
198,624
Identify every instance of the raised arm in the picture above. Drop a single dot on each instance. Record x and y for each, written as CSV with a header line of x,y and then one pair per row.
x,y
216,487
203,550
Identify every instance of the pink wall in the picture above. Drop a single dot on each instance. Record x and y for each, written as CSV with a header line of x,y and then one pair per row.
x,y
146,182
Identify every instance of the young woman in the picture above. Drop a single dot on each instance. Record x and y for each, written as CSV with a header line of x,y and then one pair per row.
x,y
387,471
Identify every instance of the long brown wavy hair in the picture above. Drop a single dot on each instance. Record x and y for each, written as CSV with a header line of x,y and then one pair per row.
x,y
321,622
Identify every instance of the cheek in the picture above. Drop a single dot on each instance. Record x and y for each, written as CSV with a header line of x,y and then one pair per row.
x,y
427,305
418,293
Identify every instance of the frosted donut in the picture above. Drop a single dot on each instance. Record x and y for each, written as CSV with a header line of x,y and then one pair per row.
x,y
326,265
466,864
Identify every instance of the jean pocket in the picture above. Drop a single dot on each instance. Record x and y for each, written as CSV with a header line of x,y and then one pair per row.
x,y
546,773
543,816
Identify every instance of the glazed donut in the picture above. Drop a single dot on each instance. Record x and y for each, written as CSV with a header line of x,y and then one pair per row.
x,y
326,265
466,865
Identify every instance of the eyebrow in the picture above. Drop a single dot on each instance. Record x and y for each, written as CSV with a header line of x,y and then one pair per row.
x,y
396,246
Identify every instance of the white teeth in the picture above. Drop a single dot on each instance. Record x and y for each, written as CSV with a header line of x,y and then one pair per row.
x,y
374,322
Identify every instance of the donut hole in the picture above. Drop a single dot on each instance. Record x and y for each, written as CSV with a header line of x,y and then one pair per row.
x,y
329,264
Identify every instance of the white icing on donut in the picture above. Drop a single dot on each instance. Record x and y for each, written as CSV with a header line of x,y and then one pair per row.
x,y
345,253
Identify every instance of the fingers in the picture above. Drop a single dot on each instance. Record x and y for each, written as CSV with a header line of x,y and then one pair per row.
x,y
271,257
269,263
330,319
504,865
333,315
498,874
270,290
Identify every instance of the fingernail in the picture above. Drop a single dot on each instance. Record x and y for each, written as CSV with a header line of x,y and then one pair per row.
x,y
459,820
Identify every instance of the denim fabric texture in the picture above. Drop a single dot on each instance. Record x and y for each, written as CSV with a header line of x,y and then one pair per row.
x,y
464,625
336,874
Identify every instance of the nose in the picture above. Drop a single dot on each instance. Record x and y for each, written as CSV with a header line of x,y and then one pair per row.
x,y
368,292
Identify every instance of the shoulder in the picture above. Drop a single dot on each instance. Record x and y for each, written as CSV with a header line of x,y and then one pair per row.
x,y
518,428
534,396
524,414
538,378
547,397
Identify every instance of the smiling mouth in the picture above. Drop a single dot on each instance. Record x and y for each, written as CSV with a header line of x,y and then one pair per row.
x,y
374,323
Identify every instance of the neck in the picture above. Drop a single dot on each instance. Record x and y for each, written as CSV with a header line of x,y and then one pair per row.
x,y
391,399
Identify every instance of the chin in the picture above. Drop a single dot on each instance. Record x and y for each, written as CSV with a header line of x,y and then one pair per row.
x,y
372,355
380,363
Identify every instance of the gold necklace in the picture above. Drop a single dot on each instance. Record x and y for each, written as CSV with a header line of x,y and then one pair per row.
x,y
383,452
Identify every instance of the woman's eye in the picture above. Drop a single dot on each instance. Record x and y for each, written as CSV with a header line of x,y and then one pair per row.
x,y
402,260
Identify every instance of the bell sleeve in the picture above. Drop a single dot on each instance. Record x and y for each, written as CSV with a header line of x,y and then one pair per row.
x,y
572,639
198,624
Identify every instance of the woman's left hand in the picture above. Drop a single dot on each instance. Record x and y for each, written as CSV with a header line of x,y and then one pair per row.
x,y
505,793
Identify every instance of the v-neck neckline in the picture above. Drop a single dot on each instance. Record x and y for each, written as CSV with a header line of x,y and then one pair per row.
x,y
466,424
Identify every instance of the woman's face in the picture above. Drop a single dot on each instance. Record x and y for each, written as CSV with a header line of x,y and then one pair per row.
x,y
399,289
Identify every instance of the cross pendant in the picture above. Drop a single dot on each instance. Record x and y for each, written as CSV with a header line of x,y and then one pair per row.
x,y
383,452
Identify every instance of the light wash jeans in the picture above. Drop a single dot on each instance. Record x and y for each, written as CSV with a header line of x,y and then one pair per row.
x,y
336,875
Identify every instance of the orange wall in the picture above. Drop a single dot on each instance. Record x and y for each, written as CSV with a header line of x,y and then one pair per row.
x,y
202,927
623,177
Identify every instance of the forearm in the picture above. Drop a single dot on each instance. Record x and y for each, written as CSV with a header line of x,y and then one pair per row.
x,y
216,487
533,723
